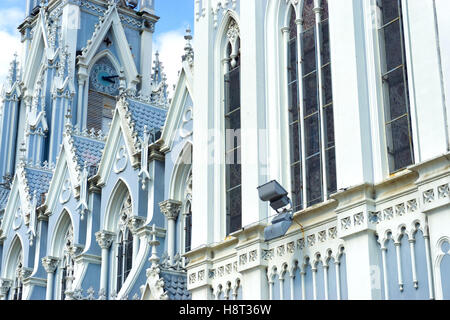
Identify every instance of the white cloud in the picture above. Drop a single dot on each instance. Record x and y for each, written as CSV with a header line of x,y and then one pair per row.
x,y
9,38
170,46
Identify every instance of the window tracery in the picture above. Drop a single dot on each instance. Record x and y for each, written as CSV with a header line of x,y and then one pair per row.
x,y
17,288
310,105
68,266
125,244
395,82
232,80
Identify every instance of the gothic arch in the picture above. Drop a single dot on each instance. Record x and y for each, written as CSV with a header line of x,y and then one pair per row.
x,y
65,221
104,54
181,173
117,197
15,251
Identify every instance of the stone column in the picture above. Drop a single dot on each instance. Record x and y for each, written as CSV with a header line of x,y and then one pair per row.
x,y
104,240
134,224
5,285
171,209
50,264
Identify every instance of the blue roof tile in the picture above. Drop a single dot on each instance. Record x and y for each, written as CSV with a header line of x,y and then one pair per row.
x,y
88,151
175,285
39,181
4,194
146,115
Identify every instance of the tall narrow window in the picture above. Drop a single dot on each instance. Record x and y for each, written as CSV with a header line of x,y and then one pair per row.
x,y
188,228
68,265
18,285
294,116
232,79
395,81
124,246
313,165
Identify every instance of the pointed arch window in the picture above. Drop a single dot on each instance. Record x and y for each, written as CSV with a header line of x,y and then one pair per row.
x,y
18,285
232,80
398,129
310,105
188,227
124,256
68,264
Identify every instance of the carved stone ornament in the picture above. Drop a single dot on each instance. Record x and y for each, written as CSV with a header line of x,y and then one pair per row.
x,y
121,160
50,264
170,208
154,287
104,239
18,219
66,192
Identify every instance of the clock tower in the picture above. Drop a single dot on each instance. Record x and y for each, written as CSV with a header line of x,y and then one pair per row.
x,y
78,56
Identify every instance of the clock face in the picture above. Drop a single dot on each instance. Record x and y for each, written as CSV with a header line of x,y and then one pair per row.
x,y
104,79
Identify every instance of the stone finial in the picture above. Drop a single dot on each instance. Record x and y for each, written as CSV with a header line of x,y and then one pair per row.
x,y
189,52
50,264
170,208
104,239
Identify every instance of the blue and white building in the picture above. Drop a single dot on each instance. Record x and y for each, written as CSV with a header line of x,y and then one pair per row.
x,y
111,190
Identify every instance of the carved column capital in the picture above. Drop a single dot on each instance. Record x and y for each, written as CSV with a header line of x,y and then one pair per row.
x,y
50,264
170,208
135,223
104,239
5,284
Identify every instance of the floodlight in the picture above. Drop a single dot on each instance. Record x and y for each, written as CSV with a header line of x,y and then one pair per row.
x,y
277,196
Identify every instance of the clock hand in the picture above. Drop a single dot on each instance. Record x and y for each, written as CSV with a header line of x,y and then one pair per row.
x,y
109,78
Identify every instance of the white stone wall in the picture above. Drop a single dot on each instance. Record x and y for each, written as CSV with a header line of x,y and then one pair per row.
x,y
366,188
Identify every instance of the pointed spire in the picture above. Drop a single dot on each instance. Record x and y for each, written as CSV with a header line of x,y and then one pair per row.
x,y
189,52
68,123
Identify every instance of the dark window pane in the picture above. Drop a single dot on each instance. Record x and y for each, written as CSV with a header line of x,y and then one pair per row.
x,y
324,9
293,102
233,120
309,51
329,123
390,10
297,187
399,143
331,171
397,95
314,180
310,94
327,84
295,142
234,210
233,175
308,14
393,45
292,24
325,42
312,136
233,156
232,90
292,67
232,141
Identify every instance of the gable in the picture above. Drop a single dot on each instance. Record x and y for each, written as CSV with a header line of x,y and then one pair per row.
x,y
179,122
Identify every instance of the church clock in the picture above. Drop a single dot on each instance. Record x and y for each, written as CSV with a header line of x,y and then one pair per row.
x,y
105,79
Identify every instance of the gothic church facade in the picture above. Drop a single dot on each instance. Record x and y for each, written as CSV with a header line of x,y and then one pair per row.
x,y
111,190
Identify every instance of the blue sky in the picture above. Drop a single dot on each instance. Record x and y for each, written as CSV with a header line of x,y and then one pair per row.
x,y
175,16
